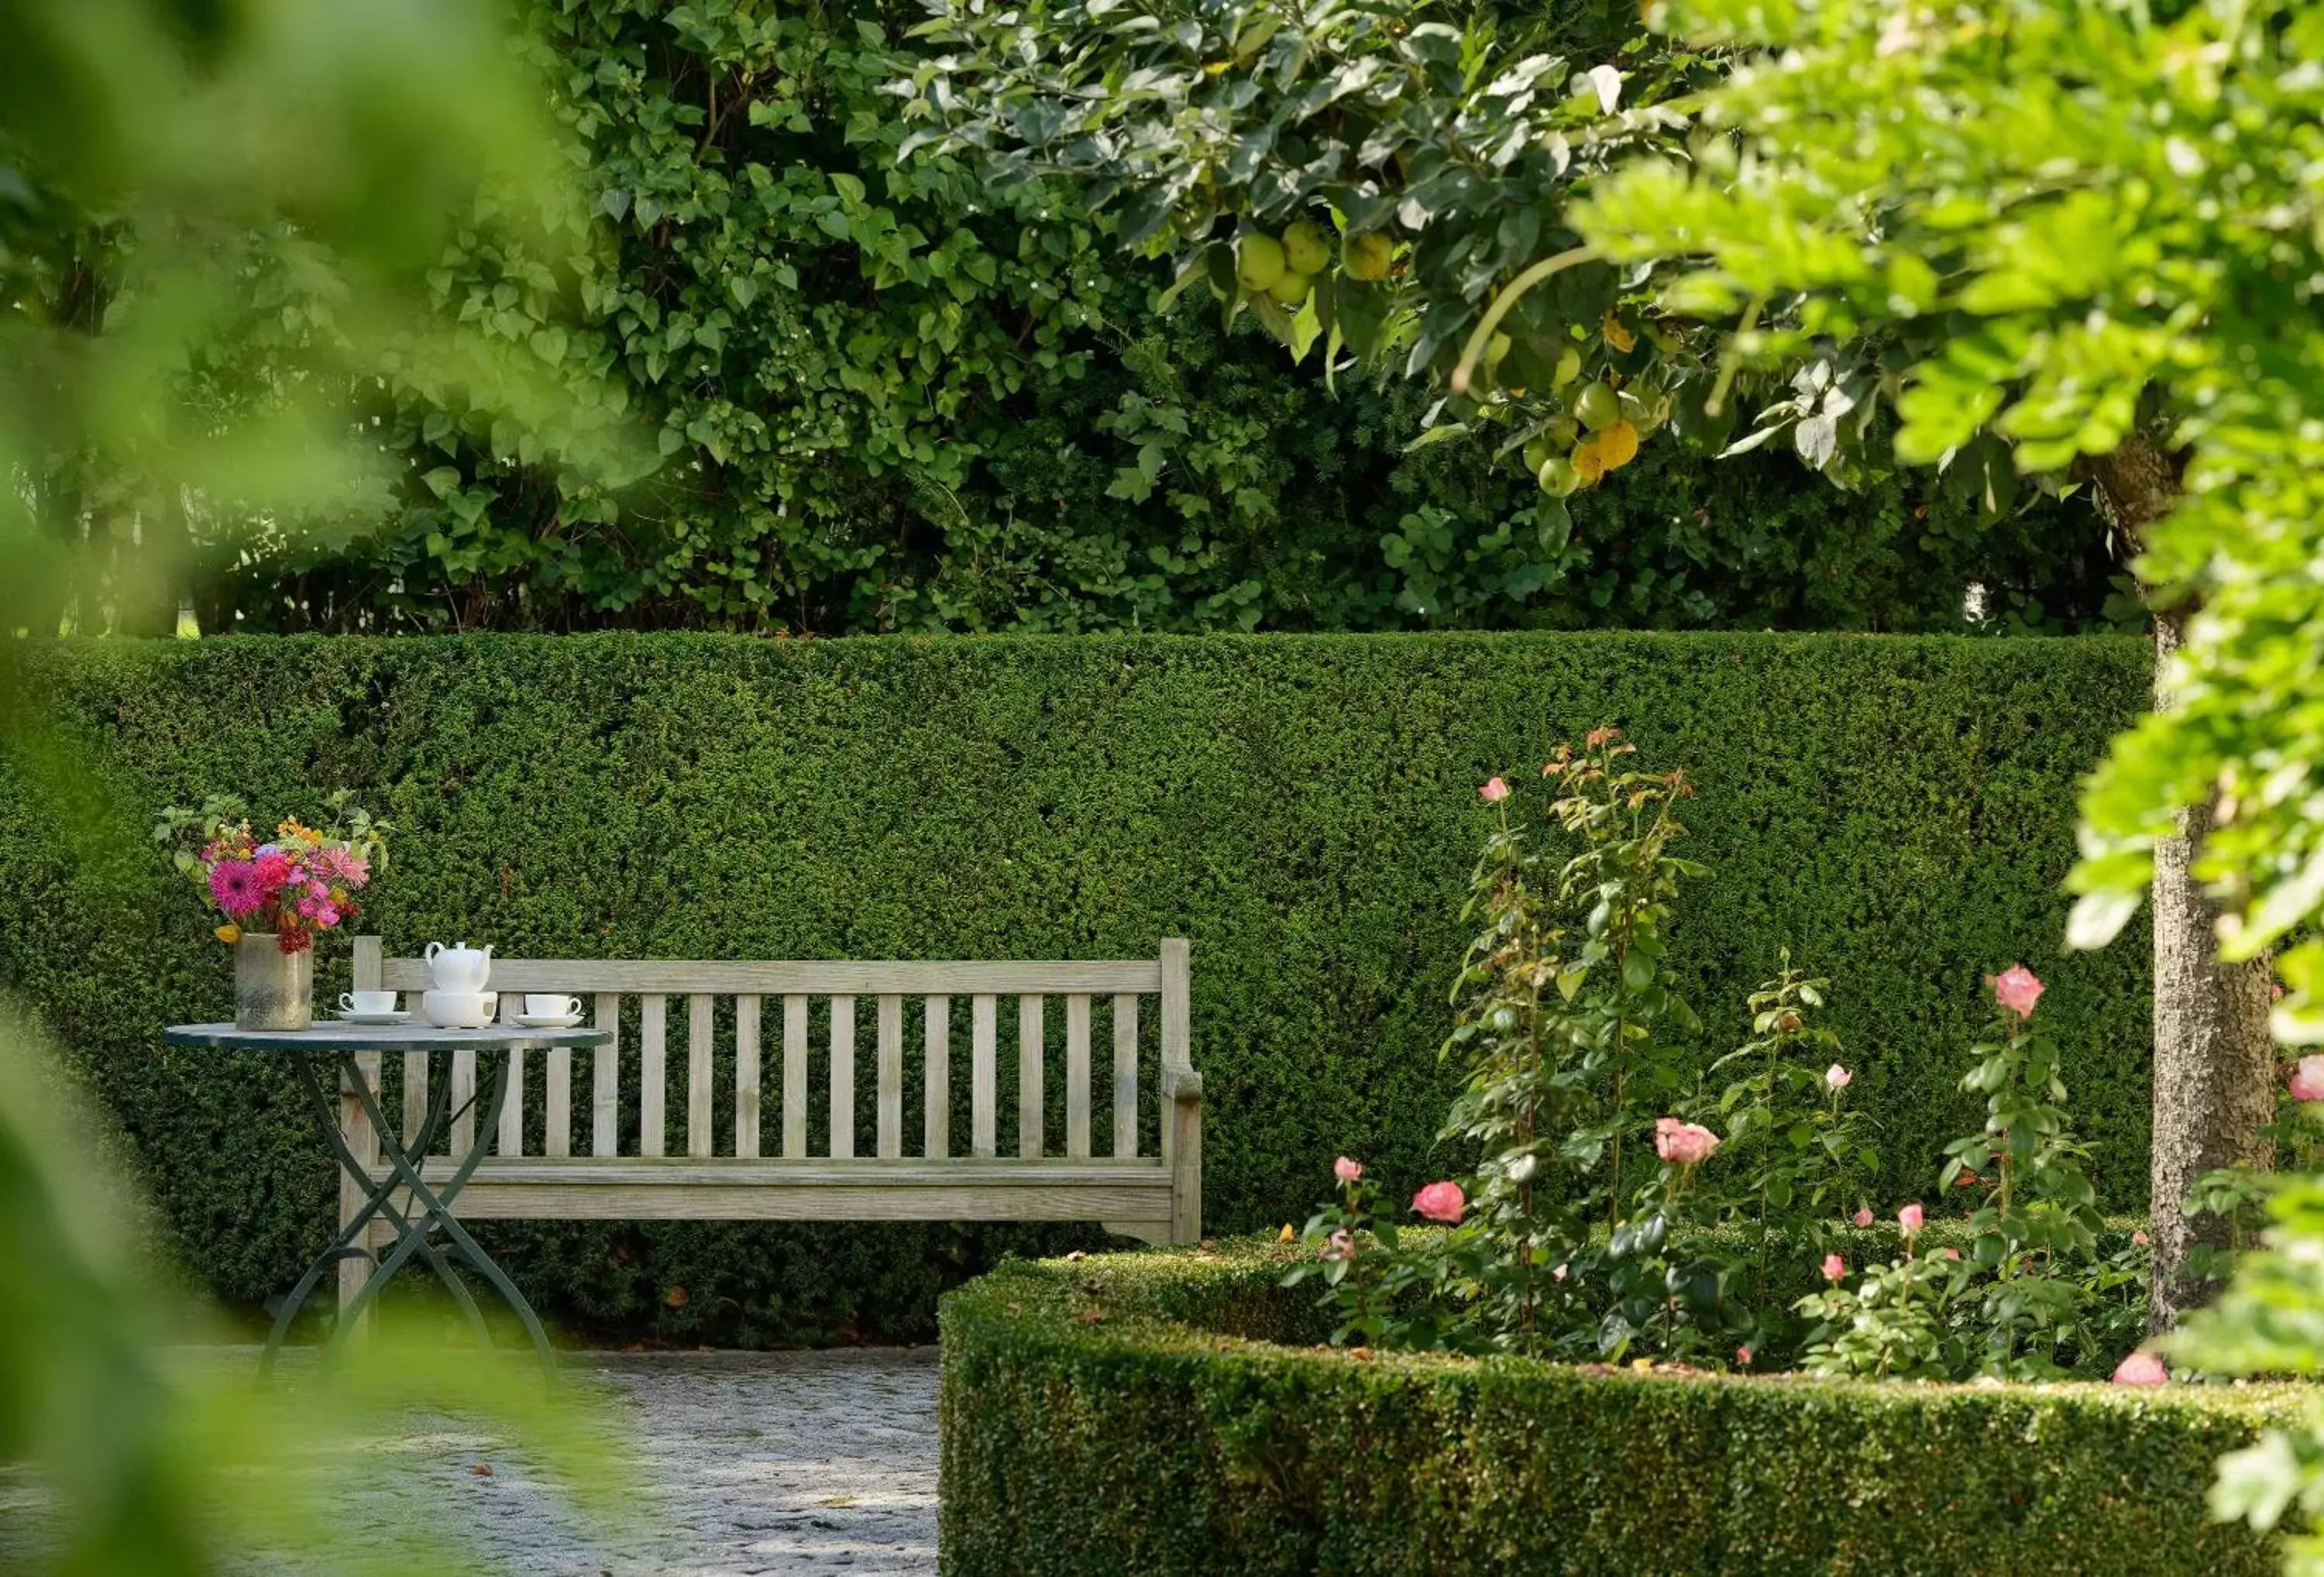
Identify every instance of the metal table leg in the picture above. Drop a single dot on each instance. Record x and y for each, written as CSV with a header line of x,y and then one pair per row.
x,y
428,1210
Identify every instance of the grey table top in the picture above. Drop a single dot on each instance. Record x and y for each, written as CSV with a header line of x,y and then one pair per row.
x,y
416,1036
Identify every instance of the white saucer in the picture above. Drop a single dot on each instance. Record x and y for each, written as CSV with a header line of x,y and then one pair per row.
x,y
375,1018
545,1021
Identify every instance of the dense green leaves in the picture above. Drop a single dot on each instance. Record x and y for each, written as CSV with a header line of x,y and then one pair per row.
x,y
1305,808
1163,1414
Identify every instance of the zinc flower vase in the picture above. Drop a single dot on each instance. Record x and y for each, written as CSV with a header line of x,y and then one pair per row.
x,y
273,990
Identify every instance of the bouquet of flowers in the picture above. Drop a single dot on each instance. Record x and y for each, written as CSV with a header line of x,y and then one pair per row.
x,y
302,882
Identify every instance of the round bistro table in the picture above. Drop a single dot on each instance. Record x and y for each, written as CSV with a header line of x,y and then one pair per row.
x,y
425,1213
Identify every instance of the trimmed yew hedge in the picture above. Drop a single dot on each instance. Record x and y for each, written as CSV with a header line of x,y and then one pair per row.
x,y
1898,812
1143,1414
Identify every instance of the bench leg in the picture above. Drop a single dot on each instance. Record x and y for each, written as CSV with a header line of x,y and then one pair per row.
x,y
1184,1146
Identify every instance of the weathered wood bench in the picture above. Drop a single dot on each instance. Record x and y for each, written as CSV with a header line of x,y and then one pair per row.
x,y
758,1166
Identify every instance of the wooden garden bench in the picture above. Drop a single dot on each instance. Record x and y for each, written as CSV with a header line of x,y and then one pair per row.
x,y
757,1166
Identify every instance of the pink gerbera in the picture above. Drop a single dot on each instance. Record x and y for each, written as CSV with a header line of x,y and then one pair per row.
x,y
237,888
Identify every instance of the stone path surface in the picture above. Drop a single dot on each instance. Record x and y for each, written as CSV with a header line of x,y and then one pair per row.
x,y
727,1463
743,1462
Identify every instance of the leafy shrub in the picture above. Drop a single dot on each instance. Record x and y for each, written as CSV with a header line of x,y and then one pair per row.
x,y
885,396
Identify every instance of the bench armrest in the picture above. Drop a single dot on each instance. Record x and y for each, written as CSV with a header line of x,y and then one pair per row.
x,y
1181,1084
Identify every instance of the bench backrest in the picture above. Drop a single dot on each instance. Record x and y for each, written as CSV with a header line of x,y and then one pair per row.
x,y
797,1004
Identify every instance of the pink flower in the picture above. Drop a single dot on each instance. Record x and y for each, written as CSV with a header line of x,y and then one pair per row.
x,y
273,871
2018,989
1911,1218
1683,1144
1347,1170
1743,1355
326,915
1949,1253
347,865
234,885
1494,791
1837,1076
2307,1079
2140,1238
2141,1368
1834,1268
1863,1216
1341,1245
1440,1201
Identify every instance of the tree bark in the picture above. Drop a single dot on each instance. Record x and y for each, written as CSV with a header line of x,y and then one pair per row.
x,y
2214,1057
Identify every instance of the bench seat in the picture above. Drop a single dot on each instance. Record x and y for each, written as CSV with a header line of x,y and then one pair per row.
x,y
1122,1194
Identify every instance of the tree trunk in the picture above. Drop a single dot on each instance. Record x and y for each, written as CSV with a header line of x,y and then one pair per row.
x,y
2214,1058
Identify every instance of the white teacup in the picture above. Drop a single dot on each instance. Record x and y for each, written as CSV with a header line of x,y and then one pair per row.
x,y
540,1007
367,1003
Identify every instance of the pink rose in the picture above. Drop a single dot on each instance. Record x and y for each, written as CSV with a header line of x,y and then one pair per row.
x,y
2307,1079
1494,791
2140,1238
1440,1201
1743,1355
2018,989
1683,1144
1346,1170
1863,1216
2141,1368
1911,1218
1837,1076
1341,1245
1949,1253
1834,1268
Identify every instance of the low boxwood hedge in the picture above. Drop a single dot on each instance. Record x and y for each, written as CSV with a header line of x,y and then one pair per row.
x,y
1166,1412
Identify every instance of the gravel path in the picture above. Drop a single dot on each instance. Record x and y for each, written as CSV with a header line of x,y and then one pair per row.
x,y
740,1463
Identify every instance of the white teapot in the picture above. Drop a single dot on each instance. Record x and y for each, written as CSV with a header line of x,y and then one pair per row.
x,y
461,970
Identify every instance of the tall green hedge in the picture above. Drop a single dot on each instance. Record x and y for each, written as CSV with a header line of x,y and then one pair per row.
x,y
1897,812
1146,1414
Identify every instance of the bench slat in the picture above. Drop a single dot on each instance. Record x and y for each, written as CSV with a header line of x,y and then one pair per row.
x,y
654,1078
746,1076
1028,1077
605,1066
697,1075
557,1135
983,1052
891,1075
843,1076
510,1141
794,1076
812,977
415,1093
1077,1076
464,1100
935,1136
1125,1076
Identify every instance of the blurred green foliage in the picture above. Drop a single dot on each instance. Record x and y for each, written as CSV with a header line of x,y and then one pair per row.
x,y
211,217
